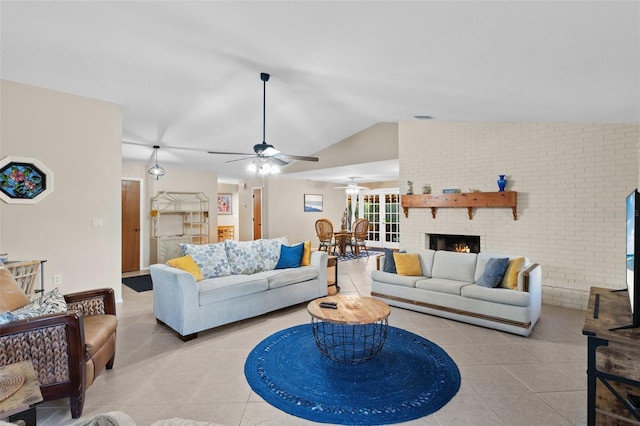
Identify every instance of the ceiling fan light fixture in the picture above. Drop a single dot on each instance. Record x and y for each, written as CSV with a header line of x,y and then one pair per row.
x,y
156,172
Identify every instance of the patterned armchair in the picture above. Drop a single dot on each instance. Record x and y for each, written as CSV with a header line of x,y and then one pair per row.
x,y
69,349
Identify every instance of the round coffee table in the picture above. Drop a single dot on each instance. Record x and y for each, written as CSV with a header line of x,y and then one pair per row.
x,y
354,332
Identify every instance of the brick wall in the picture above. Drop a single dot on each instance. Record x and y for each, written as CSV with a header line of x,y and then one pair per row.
x,y
571,178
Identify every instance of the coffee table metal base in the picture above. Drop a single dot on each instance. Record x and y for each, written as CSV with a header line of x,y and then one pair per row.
x,y
348,343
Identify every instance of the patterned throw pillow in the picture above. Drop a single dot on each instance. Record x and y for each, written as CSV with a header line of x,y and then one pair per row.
x,y
210,258
49,303
244,256
271,252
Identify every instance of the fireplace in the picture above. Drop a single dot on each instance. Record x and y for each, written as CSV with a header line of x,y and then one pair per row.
x,y
459,243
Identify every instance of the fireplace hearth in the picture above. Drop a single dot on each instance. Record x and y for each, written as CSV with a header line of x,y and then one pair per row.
x,y
458,243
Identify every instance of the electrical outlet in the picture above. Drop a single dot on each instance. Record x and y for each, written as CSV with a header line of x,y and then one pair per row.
x,y
57,279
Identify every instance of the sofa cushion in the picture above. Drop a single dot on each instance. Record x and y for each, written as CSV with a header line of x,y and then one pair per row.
x,y
306,254
210,258
510,279
290,256
442,285
408,264
271,252
284,277
389,263
186,263
454,266
499,295
223,288
97,329
426,261
395,279
11,295
493,272
50,303
245,257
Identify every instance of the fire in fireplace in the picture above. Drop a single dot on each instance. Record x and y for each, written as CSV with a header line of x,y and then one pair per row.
x,y
458,243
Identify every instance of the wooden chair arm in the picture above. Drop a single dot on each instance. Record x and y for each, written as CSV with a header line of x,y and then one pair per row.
x,y
54,343
526,273
92,302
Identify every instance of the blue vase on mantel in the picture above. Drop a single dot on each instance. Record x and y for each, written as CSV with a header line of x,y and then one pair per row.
x,y
502,183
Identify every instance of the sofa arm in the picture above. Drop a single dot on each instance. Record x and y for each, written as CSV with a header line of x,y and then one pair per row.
x,y
92,302
319,259
175,297
530,278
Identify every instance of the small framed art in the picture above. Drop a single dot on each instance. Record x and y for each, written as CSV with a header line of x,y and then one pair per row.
x,y
224,204
312,202
24,180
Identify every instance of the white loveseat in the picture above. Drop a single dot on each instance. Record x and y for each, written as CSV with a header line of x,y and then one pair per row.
x,y
447,288
240,282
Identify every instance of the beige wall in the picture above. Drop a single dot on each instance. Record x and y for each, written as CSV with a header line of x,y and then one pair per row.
x,y
572,180
286,208
175,180
79,140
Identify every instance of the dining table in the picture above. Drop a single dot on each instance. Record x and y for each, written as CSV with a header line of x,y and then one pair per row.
x,y
342,237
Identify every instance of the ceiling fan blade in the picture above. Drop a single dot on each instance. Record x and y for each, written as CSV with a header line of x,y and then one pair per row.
x,y
228,153
279,161
241,159
297,157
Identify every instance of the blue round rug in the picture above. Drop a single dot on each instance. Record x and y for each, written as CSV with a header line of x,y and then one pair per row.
x,y
411,377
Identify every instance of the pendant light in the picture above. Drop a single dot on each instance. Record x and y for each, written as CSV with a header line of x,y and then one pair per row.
x,y
156,172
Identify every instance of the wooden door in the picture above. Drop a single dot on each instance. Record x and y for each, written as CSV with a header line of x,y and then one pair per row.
x,y
130,225
257,213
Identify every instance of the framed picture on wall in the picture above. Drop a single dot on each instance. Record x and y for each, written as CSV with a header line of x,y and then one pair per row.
x,y
312,202
224,204
24,180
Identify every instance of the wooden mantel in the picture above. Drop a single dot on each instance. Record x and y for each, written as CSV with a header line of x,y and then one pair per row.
x,y
467,200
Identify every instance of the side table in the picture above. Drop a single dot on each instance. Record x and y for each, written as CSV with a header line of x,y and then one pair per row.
x,y
21,404
332,261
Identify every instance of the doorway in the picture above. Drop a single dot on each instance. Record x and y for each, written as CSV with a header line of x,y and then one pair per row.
x,y
131,240
382,209
257,213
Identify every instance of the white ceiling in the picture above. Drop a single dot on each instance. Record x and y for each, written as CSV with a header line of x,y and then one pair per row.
x,y
187,74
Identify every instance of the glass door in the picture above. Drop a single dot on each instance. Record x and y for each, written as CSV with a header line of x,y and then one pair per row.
x,y
382,209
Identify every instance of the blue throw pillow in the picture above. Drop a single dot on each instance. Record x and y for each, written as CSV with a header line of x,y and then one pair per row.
x,y
389,261
290,256
493,272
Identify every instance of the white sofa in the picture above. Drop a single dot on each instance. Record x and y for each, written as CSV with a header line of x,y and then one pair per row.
x,y
247,285
447,288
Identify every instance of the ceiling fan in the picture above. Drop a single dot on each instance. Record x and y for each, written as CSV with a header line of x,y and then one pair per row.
x,y
264,151
352,186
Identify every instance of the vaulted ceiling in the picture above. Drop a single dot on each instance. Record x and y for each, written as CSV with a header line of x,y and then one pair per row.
x,y
187,73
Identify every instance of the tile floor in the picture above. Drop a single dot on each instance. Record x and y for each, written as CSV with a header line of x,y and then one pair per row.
x,y
506,379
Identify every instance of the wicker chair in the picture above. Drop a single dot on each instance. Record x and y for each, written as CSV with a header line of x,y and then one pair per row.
x,y
25,273
324,229
359,240
67,350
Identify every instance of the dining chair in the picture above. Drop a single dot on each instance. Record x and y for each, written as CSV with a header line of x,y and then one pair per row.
x,y
324,229
358,241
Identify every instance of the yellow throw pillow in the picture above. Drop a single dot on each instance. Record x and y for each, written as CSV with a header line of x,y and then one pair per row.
x,y
186,263
407,264
306,254
510,279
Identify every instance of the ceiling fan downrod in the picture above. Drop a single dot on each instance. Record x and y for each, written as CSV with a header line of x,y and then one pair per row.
x,y
264,77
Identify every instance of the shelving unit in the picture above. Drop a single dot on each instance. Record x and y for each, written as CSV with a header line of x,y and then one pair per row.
x,y
613,371
468,200
177,218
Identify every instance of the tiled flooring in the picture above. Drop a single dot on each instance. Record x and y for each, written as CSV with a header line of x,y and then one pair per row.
x,y
506,379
